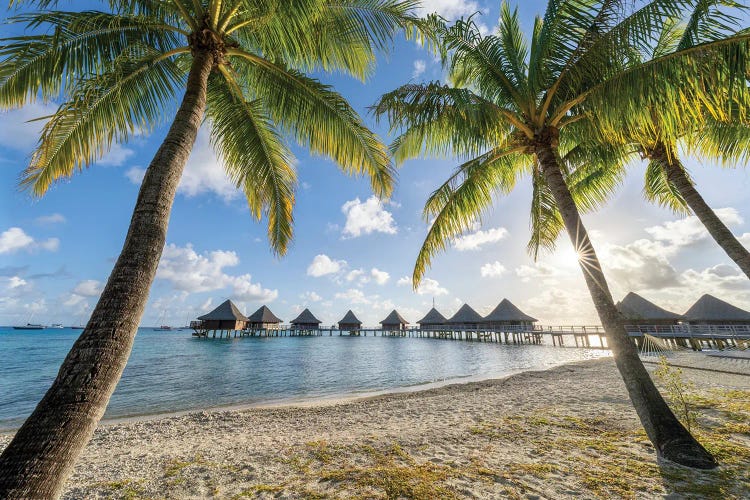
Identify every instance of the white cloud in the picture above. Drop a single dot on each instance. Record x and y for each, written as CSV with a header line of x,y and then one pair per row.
x,y
116,156
51,219
538,271
18,132
203,173
450,9
454,9
15,282
352,296
190,271
51,244
640,265
419,68
492,270
380,277
76,301
88,288
357,274
690,230
719,278
428,286
311,297
135,174
475,240
367,217
322,265
15,238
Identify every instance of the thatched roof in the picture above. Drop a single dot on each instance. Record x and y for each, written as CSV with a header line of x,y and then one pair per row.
x,y
226,311
306,318
465,315
633,306
350,319
709,308
263,315
433,318
507,311
394,319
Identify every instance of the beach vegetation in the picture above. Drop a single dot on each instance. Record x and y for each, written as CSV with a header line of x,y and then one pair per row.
x,y
678,392
125,489
515,108
242,66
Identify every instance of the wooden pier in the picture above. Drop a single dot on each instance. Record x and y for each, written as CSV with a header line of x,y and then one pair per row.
x,y
696,337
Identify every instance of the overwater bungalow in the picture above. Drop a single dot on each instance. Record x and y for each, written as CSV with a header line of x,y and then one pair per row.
x,y
225,317
263,319
465,318
710,310
433,320
505,315
639,311
350,322
306,321
394,321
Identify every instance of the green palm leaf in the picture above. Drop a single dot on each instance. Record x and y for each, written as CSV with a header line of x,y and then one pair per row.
x,y
254,156
319,118
128,98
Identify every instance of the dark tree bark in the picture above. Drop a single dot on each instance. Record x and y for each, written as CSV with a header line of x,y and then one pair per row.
x,y
670,438
43,452
671,164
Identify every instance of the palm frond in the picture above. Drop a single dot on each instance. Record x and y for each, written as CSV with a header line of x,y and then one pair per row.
x,y
130,97
254,156
440,120
545,220
80,44
319,118
659,189
458,204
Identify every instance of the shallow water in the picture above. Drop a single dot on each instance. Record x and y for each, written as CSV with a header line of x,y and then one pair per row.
x,y
173,371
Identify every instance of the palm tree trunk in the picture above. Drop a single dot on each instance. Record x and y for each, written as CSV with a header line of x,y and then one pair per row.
x,y
716,228
670,438
43,452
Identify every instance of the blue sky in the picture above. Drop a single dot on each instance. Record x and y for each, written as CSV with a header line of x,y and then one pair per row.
x,y
350,249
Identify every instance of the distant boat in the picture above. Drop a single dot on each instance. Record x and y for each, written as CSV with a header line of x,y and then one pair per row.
x,y
163,327
30,326
56,325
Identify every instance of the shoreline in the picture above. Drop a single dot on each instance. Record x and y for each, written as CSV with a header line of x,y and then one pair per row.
x,y
568,432
318,400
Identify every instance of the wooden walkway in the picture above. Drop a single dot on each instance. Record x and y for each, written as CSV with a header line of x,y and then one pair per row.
x,y
695,337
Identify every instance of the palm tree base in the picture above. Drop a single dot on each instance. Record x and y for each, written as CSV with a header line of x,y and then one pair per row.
x,y
689,453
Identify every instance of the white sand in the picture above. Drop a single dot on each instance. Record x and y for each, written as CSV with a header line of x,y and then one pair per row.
x,y
561,433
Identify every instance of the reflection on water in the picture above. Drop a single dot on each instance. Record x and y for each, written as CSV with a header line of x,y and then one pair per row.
x,y
172,371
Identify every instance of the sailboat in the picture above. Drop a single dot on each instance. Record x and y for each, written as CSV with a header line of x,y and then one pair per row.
x,y
80,325
30,326
164,327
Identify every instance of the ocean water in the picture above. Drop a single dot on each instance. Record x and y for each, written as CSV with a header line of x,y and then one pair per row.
x,y
173,371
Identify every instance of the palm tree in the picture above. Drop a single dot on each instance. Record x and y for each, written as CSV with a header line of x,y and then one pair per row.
x,y
513,110
239,63
726,136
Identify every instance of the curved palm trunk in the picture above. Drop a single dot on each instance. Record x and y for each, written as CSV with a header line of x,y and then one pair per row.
x,y
43,452
670,438
716,228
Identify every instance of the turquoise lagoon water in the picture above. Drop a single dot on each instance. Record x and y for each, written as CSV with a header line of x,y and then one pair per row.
x,y
173,371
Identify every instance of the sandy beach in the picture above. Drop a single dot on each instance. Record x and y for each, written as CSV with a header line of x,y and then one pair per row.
x,y
566,432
